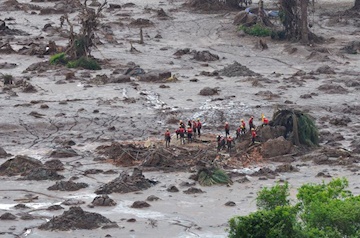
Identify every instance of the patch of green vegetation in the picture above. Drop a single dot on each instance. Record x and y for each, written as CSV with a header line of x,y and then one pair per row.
x,y
59,58
322,211
211,176
256,30
84,62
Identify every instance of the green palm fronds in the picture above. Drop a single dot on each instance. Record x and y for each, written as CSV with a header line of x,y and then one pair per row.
x,y
211,176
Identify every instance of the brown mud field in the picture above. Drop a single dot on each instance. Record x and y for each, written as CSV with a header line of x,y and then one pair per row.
x,y
82,152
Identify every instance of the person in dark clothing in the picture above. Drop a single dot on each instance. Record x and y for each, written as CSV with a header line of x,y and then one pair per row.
x,y
251,123
198,124
189,134
229,142
227,129
253,135
220,143
182,135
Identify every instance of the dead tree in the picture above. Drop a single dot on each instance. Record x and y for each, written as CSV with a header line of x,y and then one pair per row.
x,y
356,5
80,43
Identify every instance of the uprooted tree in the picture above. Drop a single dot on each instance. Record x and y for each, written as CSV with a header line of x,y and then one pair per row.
x,y
78,51
300,127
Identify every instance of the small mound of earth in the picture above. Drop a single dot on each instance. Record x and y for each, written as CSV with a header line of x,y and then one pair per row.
x,y
54,164
20,165
72,202
325,70
76,218
172,189
267,94
193,190
126,183
140,204
205,56
152,198
7,216
236,70
54,208
333,89
3,153
343,121
276,147
286,168
230,204
103,200
141,22
63,153
265,171
42,174
207,91
67,186
93,171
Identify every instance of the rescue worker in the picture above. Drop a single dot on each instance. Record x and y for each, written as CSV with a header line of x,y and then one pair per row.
x,y
238,132
265,121
251,122
198,127
182,135
177,132
227,129
167,138
181,124
189,134
229,141
243,128
189,123
194,126
253,135
220,143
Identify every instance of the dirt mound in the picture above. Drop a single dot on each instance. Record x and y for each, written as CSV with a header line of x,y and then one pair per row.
x,y
140,204
276,147
205,56
54,164
122,154
236,70
67,186
63,153
7,216
193,190
286,168
3,153
126,183
210,5
103,200
20,165
332,89
75,218
207,91
42,174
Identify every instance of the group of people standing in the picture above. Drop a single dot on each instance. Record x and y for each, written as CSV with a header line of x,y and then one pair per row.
x,y
193,129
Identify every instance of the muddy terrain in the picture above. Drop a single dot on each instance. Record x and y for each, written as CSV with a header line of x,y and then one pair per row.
x,y
82,152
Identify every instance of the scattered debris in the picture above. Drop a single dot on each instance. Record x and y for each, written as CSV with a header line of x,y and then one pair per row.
x,y
67,186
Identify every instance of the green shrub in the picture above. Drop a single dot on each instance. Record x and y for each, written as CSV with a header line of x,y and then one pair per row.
x,y
59,58
211,176
271,198
84,62
256,30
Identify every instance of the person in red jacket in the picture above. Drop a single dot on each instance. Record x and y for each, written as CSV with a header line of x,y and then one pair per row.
x,y
253,135
251,122
227,129
238,132
265,121
198,124
189,134
243,127
229,142
182,135
167,138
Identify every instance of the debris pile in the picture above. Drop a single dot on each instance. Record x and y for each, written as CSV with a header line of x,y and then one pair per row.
x,y
75,218
67,186
126,183
236,70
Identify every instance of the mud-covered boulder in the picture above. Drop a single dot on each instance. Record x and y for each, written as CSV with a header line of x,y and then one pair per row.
x,y
7,216
63,153
207,91
3,153
331,88
20,165
126,183
67,186
140,204
276,147
103,200
270,132
54,164
236,69
42,174
76,218
193,190
155,76
205,56
120,79
325,69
